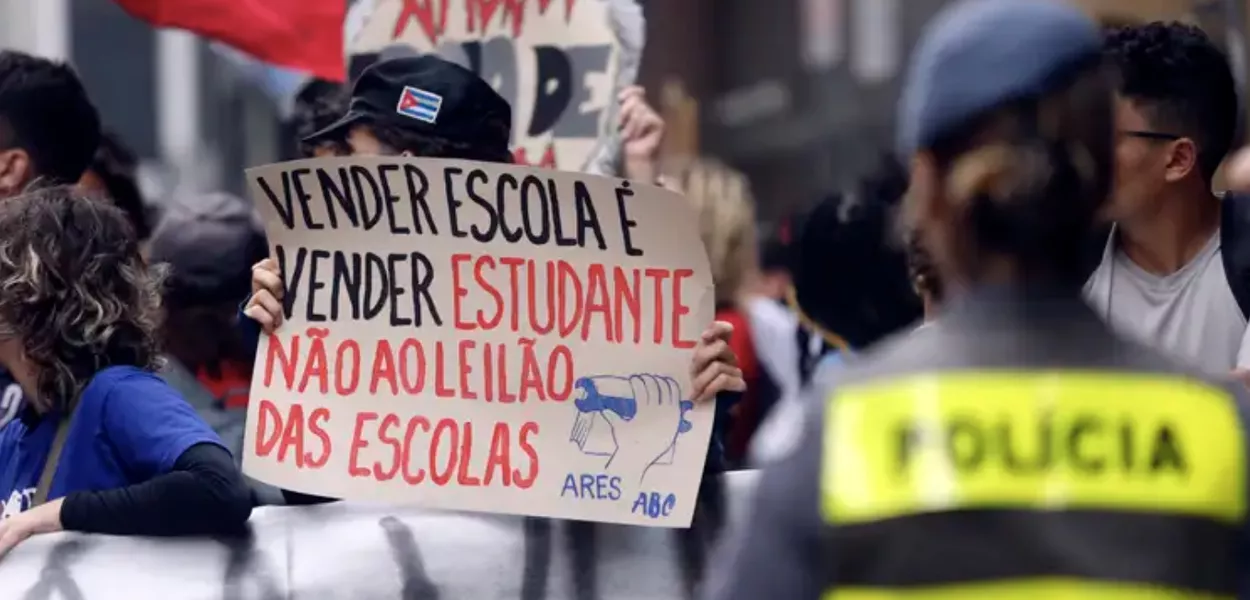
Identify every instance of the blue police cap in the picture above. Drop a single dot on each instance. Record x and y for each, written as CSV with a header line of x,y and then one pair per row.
x,y
978,54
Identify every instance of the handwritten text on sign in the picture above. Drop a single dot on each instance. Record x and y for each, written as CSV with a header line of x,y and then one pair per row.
x,y
481,337
554,62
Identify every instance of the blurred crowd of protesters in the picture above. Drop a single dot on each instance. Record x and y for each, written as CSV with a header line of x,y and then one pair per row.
x,y
122,331
103,445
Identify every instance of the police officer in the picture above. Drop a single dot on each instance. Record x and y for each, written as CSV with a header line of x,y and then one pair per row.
x,y
1016,448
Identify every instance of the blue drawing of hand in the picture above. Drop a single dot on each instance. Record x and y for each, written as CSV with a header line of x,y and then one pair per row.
x,y
643,414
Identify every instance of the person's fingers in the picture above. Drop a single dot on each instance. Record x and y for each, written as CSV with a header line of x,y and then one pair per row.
x,y
721,382
264,279
624,117
261,317
718,377
724,353
632,91
728,382
632,124
718,330
266,264
269,304
649,119
705,354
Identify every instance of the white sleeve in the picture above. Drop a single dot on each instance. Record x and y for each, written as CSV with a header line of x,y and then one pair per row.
x,y
1243,354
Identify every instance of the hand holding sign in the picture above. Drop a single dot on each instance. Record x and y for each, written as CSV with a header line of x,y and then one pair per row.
x,y
642,130
265,304
714,368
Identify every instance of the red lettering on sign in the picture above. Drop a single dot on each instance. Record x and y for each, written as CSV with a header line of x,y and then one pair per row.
x,y
285,433
441,453
594,302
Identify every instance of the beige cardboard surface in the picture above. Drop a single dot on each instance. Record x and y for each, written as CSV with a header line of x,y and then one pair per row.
x,y
559,63
481,337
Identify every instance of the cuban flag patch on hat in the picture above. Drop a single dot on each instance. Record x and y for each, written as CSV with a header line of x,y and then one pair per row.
x,y
419,104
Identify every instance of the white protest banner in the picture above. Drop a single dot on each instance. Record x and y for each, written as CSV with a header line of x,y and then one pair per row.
x,y
481,337
359,551
560,64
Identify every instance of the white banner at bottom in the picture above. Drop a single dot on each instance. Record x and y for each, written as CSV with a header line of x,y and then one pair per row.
x,y
361,552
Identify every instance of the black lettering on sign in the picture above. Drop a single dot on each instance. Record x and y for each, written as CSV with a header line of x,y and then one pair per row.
x,y
587,219
55,580
340,193
627,224
534,198
454,203
553,87
374,285
1085,443
416,583
418,186
354,196
494,207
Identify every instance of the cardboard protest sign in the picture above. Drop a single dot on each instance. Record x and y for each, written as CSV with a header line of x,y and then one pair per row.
x,y
560,64
481,337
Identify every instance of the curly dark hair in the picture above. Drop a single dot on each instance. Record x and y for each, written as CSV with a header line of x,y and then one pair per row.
x,y
850,276
1181,80
115,165
317,106
75,290
45,110
398,140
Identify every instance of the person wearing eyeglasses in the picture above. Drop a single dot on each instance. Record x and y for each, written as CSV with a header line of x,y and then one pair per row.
x,y
1174,269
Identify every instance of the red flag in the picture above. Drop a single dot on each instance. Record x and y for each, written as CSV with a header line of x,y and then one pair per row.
x,y
301,34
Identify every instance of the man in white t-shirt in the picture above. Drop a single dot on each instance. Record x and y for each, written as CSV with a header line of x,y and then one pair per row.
x,y
1163,271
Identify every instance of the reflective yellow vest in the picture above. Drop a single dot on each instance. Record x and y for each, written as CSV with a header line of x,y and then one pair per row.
x,y
1014,485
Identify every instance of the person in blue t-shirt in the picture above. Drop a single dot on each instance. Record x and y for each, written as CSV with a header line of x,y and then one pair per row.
x,y
103,445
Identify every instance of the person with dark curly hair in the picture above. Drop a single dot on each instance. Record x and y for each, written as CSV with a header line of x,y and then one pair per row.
x,y
112,172
318,105
850,289
850,276
1173,270
103,444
